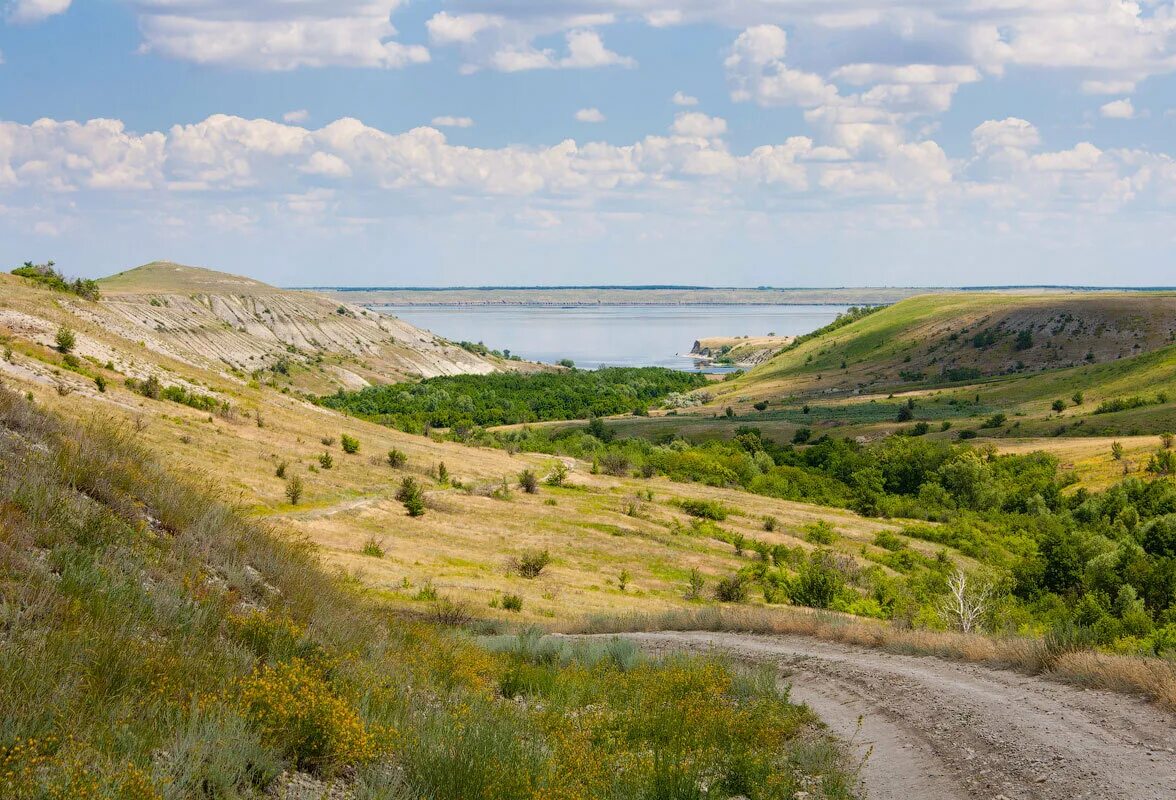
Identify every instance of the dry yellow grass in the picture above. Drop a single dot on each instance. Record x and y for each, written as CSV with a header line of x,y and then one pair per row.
x,y
463,543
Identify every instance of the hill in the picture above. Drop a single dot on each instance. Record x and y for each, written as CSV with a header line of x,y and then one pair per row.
x,y
958,338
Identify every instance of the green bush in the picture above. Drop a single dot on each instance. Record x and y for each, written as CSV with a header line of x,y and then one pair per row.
x,y
531,563
732,589
396,458
349,444
705,509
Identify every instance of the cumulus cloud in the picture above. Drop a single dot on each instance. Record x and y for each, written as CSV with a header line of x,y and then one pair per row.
x,y
1118,109
229,167
453,122
698,125
589,115
30,11
277,35
683,99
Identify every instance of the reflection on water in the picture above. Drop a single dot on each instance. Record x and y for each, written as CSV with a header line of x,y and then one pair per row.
x,y
619,336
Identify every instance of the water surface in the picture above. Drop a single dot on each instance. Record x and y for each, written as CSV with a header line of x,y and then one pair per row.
x,y
618,336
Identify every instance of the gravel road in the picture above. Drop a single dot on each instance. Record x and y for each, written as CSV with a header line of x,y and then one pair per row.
x,y
942,730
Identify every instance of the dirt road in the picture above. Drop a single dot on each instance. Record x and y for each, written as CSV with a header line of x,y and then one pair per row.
x,y
942,730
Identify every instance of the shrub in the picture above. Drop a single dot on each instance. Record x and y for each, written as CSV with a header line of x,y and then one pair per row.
x,y
528,482
1058,406
705,509
373,547
820,532
1166,440
454,613
412,496
294,490
623,579
1117,451
995,421
770,524
802,435
559,475
817,582
349,443
326,460
294,709
512,602
280,470
328,441
615,464
396,458
731,589
695,586
762,405
100,382
66,339
531,563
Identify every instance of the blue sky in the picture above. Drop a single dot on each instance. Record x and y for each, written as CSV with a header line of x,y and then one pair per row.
x,y
782,142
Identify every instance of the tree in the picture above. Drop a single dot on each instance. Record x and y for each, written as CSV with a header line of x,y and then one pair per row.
x,y
528,481
1166,440
411,495
966,603
1059,406
1117,451
396,458
559,474
1024,339
294,490
66,339
1162,463
350,443
1078,398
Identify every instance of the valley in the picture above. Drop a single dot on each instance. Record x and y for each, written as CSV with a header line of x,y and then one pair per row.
x,y
642,499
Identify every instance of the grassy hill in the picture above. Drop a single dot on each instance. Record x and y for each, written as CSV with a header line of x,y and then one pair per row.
x,y
155,643
931,340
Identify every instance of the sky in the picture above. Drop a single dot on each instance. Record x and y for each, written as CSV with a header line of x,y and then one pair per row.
x,y
553,142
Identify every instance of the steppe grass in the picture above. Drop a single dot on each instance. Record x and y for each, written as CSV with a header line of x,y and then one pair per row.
x,y
155,643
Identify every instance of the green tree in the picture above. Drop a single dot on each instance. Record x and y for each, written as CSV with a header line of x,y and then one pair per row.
x,y
1059,406
349,443
66,339
294,490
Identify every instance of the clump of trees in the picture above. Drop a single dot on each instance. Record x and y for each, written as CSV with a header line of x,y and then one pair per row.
x,y
46,275
465,402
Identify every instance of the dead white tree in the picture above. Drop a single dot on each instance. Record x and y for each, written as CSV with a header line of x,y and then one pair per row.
x,y
966,602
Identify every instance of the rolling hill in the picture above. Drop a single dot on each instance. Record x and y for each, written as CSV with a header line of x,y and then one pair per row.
x,y
226,322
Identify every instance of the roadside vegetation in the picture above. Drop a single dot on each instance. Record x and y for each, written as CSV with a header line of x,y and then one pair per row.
x,y
155,643
462,402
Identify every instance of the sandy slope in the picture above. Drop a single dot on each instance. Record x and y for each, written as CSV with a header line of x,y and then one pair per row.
x,y
946,730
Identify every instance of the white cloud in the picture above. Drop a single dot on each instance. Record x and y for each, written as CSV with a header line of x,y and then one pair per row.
x,y
695,124
589,115
758,73
664,18
29,11
297,116
453,122
683,99
586,49
276,35
1118,109
1010,133
445,28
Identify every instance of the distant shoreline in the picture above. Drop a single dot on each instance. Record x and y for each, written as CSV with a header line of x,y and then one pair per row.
x,y
653,296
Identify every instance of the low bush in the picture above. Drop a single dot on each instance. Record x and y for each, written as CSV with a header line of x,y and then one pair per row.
x,y
705,509
349,444
531,563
